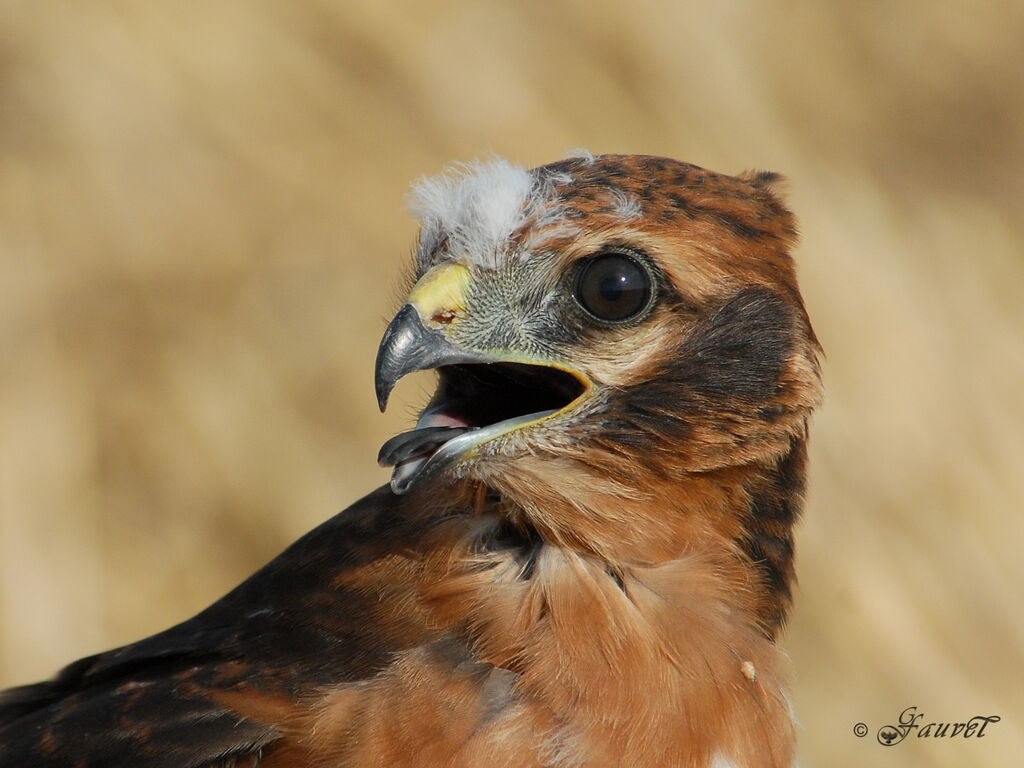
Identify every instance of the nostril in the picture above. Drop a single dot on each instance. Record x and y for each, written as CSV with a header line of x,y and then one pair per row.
x,y
443,317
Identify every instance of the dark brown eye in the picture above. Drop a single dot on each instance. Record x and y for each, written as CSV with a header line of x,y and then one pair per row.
x,y
613,287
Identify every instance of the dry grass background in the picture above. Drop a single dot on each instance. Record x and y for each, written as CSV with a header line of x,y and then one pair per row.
x,y
201,220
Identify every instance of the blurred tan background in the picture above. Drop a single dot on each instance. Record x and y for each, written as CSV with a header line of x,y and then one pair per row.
x,y
201,225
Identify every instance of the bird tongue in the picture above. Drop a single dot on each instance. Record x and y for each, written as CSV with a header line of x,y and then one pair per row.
x,y
419,443
409,452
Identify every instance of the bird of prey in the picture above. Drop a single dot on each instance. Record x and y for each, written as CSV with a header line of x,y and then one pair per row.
x,y
585,553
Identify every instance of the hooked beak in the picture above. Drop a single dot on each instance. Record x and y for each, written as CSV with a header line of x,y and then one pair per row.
x,y
415,340
410,346
481,395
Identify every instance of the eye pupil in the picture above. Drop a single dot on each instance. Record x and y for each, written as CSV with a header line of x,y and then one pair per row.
x,y
613,287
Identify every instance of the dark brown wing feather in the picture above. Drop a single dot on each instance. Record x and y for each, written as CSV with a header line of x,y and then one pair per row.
x,y
291,629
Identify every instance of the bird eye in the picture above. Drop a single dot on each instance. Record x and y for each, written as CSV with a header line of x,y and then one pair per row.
x,y
613,287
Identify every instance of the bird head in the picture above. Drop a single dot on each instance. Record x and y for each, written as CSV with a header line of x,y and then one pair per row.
x,y
603,327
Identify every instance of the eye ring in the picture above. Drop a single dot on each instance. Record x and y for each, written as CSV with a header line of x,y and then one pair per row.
x,y
613,287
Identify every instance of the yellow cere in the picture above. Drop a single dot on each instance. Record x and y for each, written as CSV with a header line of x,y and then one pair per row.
x,y
440,294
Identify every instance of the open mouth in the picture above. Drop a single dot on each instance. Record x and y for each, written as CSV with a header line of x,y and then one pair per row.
x,y
474,403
